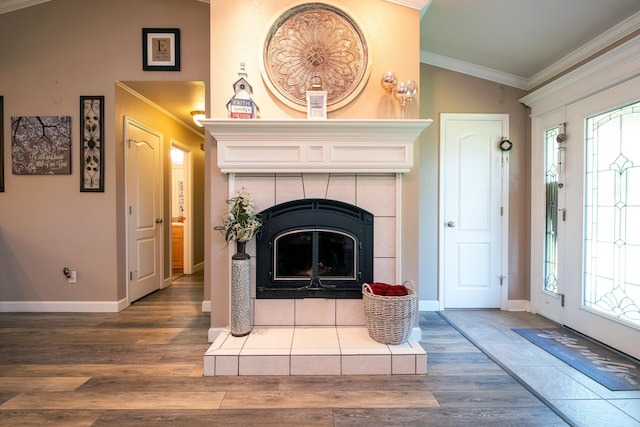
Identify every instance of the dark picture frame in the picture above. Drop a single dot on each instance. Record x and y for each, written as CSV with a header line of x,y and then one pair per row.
x,y
161,49
92,143
1,144
41,145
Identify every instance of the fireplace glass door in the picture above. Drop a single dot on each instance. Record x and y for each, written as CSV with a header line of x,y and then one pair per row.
x,y
315,254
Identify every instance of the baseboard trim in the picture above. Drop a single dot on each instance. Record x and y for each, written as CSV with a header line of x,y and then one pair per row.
x,y
519,305
428,305
63,306
416,334
512,305
214,332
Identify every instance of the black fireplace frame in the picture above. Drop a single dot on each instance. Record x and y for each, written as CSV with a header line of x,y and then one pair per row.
x,y
314,215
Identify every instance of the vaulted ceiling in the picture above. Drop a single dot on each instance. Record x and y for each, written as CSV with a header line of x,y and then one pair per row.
x,y
520,43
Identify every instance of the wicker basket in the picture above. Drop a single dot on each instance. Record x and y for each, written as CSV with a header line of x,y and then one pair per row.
x,y
389,319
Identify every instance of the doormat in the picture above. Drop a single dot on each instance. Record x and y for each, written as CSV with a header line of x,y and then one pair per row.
x,y
613,370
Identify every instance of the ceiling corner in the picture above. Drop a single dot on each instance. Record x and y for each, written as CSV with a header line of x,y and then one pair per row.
x,y
11,5
414,4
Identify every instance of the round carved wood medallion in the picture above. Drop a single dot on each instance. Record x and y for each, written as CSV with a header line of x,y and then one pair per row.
x,y
315,43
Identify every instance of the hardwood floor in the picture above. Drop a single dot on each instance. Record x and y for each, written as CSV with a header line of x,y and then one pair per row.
x,y
143,367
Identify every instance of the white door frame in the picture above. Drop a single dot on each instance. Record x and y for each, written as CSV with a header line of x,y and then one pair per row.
x,y
126,122
504,240
188,193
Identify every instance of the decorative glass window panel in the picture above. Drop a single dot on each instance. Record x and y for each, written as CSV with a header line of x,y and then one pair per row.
x,y
551,211
612,210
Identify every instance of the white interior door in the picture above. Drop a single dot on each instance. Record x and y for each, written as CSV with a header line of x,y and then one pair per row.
x,y
144,209
473,210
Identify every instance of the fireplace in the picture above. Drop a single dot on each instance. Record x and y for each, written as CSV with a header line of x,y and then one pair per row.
x,y
314,248
330,192
346,168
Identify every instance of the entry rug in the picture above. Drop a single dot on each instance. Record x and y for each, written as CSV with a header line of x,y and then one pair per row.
x,y
613,370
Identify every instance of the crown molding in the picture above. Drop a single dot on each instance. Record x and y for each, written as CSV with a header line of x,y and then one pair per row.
x,y
157,107
610,69
474,70
608,38
11,5
414,4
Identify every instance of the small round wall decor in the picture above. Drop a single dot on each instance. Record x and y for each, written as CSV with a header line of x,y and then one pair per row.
x,y
506,145
315,43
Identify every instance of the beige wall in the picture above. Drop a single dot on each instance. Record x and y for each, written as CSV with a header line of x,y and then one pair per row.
x,y
238,29
50,55
446,91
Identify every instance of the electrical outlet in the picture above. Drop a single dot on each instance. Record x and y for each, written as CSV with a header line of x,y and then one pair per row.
x,y
73,276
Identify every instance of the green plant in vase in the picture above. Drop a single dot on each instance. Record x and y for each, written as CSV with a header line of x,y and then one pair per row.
x,y
241,223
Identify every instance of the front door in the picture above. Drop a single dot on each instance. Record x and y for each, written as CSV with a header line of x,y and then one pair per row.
x,y
602,292
473,210
144,209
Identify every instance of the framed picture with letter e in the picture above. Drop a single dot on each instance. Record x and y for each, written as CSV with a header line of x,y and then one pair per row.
x,y
161,49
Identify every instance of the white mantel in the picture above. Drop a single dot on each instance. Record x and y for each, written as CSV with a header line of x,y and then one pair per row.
x,y
300,145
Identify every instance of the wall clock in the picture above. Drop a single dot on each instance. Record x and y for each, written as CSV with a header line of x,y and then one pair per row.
x,y
315,43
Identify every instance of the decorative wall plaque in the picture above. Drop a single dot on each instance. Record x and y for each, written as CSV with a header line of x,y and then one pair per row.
x,y
315,43
41,145
91,147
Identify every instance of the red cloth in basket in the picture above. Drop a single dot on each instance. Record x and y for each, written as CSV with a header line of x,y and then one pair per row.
x,y
388,290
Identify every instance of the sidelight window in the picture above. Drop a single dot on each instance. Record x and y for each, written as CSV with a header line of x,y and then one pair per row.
x,y
552,170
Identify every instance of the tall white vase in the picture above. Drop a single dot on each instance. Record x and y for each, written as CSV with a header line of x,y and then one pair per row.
x,y
240,323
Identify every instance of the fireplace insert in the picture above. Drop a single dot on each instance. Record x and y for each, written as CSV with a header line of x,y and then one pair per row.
x,y
314,248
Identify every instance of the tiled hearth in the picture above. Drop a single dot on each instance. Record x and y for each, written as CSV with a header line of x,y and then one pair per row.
x,y
311,350
359,162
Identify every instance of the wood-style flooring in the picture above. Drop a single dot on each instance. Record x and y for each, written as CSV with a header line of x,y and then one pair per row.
x,y
143,367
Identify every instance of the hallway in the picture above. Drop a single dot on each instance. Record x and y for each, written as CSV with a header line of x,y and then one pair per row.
x,y
144,365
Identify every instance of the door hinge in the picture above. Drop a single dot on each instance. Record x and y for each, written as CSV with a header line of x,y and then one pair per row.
x,y
561,300
131,275
564,214
501,210
129,210
502,279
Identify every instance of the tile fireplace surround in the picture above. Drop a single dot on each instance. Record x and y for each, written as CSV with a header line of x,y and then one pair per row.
x,y
354,161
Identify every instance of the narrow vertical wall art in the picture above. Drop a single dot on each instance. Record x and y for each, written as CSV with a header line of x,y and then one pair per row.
x,y
92,150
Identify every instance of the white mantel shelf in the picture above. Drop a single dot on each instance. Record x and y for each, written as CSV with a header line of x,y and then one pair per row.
x,y
358,145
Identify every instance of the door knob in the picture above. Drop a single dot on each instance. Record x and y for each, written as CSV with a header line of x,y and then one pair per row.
x,y
158,220
451,224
